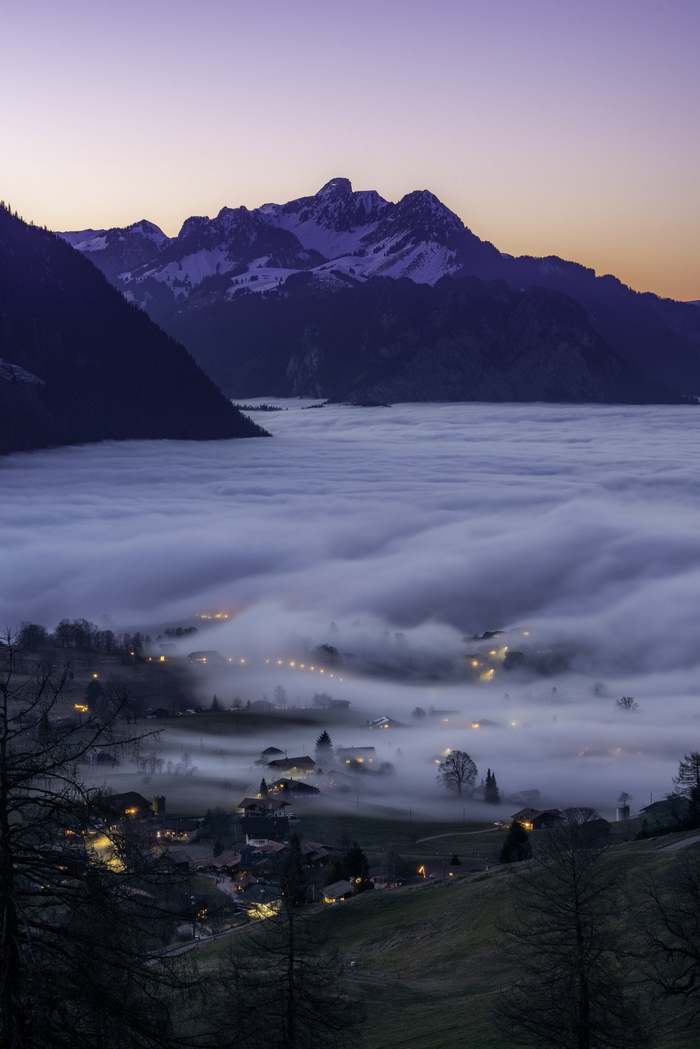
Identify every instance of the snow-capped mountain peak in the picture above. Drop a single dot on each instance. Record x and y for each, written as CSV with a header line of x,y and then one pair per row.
x,y
336,232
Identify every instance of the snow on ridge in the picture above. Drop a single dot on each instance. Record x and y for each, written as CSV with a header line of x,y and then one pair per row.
x,y
185,273
314,236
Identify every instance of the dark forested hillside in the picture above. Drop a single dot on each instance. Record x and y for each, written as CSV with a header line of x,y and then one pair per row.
x,y
78,363
464,339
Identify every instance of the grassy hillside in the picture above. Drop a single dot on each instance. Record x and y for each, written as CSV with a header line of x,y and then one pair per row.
x,y
429,958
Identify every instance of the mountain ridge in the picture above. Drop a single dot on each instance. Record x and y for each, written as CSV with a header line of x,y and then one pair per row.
x,y
339,238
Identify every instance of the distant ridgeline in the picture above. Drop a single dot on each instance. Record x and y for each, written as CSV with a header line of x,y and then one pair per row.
x,y
348,296
78,363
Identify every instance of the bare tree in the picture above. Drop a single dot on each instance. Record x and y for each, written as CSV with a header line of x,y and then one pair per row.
x,y
688,785
80,906
282,988
457,771
571,991
671,946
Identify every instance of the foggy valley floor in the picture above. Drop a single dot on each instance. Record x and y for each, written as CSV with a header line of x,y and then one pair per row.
x,y
397,533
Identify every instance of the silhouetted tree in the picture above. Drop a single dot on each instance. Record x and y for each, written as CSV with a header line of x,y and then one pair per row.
x,y
688,785
457,771
627,703
324,747
282,988
670,918
32,637
570,991
491,792
517,845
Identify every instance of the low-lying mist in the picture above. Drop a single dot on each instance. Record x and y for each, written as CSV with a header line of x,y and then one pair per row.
x,y
408,528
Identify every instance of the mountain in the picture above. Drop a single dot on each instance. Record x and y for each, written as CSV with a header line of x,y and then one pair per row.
x,y
78,363
340,238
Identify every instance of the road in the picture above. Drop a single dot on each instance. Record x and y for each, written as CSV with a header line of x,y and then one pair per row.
x,y
684,843
457,834
182,948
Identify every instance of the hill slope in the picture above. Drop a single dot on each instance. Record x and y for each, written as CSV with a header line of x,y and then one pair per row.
x,y
81,364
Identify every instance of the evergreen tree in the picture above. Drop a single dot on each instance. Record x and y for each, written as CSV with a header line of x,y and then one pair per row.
x,y
263,790
517,845
215,704
93,693
355,865
324,747
491,792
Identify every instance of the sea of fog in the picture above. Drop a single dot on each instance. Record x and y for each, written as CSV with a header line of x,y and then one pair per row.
x,y
578,524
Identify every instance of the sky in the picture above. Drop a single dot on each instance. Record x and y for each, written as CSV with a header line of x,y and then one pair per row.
x,y
577,523
549,126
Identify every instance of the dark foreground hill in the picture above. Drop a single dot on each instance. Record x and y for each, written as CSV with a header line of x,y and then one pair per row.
x,y
78,363
395,340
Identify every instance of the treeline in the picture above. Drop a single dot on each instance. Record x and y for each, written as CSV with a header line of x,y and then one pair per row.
x,y
84,636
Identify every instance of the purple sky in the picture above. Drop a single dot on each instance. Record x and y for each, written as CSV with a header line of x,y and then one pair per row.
x,y
566,126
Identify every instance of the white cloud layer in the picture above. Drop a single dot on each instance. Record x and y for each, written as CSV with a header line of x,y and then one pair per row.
x,y
581,522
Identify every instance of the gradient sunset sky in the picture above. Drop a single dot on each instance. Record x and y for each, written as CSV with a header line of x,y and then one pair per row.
x,y
550,126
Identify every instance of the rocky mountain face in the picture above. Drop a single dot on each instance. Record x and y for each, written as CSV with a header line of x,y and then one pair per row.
x,y
78,363
340,239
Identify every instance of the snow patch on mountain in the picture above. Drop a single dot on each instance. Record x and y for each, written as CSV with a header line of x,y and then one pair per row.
x,y
185,273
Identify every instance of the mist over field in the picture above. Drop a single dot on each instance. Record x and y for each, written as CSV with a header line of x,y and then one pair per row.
x,y
408,528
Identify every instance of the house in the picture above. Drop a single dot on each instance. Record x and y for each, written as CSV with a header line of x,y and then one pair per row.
x,y
276,828
130,803
200,857
206,657
179,829
262,806
292,786
356,755
260,901
384,722
269,754
667,815
324,702
338,891
300,766
538,819
316,854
